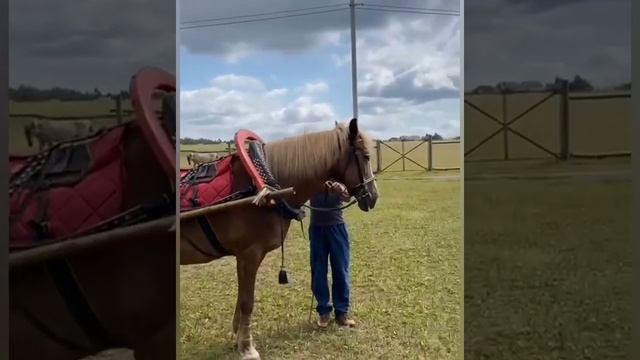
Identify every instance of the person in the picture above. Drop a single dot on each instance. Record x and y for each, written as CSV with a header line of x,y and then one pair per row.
x,y
329,240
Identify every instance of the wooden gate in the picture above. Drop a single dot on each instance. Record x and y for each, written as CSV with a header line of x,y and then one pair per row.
x,y
506,125
422,152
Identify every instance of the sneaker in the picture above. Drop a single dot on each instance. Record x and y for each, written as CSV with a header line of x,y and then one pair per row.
x,y
323,320
344,321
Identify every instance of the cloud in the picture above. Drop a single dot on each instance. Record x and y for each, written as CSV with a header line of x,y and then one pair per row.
x,y
415,58
216,112
88,44
441,116
315,88
235,101
408,70
539,40
237,82
294,34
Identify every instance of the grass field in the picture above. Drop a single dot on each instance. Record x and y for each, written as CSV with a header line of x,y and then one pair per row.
x,y
406,276
547,263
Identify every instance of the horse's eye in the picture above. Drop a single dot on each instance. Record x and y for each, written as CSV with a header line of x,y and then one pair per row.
x,y
367,157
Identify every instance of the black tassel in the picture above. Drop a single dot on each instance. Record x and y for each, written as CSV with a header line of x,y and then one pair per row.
x,y
283,277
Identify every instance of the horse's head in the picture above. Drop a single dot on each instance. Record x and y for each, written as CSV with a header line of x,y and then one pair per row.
x,y
29,131
189,158
354,167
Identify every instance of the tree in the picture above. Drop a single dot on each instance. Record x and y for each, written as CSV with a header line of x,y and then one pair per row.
x,y
580,84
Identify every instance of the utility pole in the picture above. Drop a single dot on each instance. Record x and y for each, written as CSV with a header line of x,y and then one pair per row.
x,y
354,68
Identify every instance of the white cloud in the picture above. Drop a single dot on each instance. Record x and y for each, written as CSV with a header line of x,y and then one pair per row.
x,y
414,59
559,38
315,88
232,102
236,82
408,69
385,117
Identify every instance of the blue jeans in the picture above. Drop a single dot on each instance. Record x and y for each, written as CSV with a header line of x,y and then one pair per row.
x,y
330,242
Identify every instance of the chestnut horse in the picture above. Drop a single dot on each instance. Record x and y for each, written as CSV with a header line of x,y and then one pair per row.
x,y
127,288
250,232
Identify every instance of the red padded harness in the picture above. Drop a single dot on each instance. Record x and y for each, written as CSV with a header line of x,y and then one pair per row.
x,y
49,213
207,185
211,183
46,207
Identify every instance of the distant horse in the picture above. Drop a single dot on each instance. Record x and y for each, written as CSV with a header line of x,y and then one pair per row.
x,y
250,232
127,287
201,158
49,132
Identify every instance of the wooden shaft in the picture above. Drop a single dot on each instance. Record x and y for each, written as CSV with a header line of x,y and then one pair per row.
x,y
71,246
214,208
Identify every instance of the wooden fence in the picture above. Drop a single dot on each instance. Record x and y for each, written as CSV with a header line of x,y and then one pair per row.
x,y
408,155
387,155
554,124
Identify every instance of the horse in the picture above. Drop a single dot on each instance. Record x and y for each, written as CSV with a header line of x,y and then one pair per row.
x,y
49,132
201,158
249,232
118,295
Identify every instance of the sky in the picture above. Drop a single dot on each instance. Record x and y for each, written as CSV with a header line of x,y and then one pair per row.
x,y
289,76
537,40
84,45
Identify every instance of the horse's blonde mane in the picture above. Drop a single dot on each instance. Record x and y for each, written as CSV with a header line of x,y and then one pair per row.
x,y
309,156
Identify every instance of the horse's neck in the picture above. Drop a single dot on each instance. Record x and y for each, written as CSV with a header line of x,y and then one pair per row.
x,y
305,183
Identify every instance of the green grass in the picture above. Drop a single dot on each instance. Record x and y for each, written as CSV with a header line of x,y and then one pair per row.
x,y
548,269
545,166
406,278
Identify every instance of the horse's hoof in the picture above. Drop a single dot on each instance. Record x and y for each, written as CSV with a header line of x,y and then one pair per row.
x,y
250,354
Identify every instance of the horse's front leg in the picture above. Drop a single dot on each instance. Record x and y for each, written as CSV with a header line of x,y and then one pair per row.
x,y
236,316
247,267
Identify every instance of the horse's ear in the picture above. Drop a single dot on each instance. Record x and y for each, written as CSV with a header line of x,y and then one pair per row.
x,y
353,129
336,122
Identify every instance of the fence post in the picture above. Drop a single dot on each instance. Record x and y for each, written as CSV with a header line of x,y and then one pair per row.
x,y
118,109
505,127
402,142
430,154
378,156
564,120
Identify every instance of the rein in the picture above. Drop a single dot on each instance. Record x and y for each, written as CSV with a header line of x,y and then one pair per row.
x,y
342,207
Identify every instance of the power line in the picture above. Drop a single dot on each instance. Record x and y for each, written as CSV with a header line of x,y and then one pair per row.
x,y
367,4
261,19
413,12
262,14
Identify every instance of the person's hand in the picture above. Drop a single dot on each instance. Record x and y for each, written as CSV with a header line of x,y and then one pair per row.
x,y
338,188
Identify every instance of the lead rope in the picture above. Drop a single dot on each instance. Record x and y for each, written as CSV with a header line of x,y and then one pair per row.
x,y
311,278
283,278
333,208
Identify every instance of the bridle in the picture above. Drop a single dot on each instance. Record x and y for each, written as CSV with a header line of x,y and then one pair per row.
x,y
359,191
